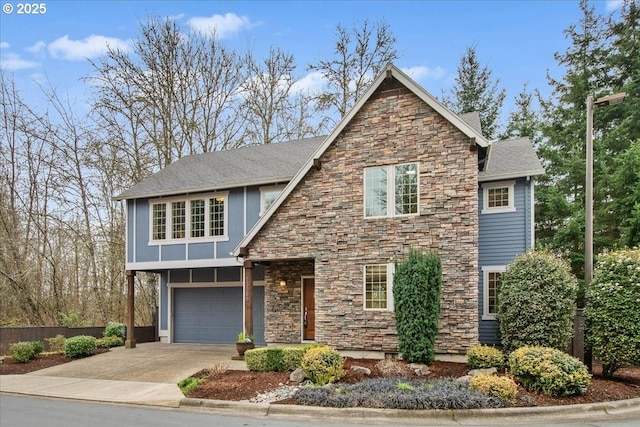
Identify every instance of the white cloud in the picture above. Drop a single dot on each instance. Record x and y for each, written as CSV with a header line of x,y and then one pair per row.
x,y
77,50
4,45
312,82
223,25
614,4
11,61
37,48
422,72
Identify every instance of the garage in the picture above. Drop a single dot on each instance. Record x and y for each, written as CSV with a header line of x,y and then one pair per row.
x,y
214,315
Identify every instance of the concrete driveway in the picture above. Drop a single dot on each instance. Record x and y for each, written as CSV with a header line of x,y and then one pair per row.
x,y
148,362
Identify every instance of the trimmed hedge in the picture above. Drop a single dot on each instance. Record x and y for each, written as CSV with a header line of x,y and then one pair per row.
x,y
275,359
503,388
613,310
109,341
482,356
537,302
549,371
79,346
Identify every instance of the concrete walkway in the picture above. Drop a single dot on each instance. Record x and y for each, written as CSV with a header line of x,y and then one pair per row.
x,y
148,375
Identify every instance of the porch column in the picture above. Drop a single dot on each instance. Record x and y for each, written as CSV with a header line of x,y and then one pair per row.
x,y
248,297
130,342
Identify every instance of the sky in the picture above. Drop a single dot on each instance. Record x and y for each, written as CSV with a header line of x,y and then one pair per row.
x,y
515,39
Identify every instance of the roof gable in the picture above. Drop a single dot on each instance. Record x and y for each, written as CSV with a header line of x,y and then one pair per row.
x,y
511,159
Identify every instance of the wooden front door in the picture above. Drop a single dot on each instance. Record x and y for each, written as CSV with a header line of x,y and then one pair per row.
x,y
308,309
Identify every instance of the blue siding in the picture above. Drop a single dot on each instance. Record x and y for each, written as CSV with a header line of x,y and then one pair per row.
x,y
253,206
144,252
174,252
235,228
202,250
502,237
130,229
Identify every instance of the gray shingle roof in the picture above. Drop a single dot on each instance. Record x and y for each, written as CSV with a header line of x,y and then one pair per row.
x,y
472,119
260,164
511,159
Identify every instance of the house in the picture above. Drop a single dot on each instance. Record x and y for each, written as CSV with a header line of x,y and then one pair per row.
x,y
297,241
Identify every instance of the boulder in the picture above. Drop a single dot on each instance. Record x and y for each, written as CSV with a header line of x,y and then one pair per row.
x,y
361,370
297,376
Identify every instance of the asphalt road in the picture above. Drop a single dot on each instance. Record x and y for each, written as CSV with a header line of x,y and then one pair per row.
x,y
20,411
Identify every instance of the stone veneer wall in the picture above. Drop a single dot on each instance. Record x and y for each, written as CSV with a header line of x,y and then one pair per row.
x,y
323,220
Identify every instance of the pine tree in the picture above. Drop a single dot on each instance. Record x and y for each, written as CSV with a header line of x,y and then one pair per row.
x,y
523,121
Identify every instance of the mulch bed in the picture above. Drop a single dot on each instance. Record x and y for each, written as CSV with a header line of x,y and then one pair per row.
x,y
9,366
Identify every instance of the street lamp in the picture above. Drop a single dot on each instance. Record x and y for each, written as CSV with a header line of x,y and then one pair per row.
x,y
616,98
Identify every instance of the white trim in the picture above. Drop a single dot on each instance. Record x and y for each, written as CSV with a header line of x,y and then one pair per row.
x,y
511,185
270,189
390,71
214,285
532,200
135,222
182,264
390,273
485,289
302,307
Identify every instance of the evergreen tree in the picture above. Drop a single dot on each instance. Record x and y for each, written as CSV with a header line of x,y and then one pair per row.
x,y
523,121
475,90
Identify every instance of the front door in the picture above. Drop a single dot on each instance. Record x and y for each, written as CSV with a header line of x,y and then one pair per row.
x,y
308,309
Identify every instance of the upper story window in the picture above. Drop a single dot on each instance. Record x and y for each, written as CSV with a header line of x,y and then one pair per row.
x,y
193,218
378,281
491,290
498,197
391,190
268,195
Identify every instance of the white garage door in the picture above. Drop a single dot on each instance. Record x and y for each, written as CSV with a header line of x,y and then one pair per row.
x,y
214,315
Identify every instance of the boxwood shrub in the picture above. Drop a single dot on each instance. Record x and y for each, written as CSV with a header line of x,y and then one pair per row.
x,y
613,310
79,346
275,359
114,329
483,356
109,341
549,370
537,300
22,351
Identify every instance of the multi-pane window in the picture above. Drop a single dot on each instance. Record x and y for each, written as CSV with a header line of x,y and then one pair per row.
x,y
178,220
216,216
391,190
203,217
492,277
377,287
159,221
498,197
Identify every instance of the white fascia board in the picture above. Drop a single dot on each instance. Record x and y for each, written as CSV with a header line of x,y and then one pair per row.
x,y
193,263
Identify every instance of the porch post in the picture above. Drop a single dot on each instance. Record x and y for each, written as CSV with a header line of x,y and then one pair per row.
x,y
248,297
130,342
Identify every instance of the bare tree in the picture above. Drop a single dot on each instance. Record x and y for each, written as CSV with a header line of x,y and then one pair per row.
x,y
359,56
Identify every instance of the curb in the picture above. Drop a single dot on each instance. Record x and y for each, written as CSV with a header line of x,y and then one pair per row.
x,y
616,407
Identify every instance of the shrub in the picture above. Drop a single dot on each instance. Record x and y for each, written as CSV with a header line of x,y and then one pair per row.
x,y
38,347
79,346
322,365
188,384
416,295
276,359
483,356
256,359
56,344
536,303
549,371
114,329
110,341
292,357
503,388
612,310
22,351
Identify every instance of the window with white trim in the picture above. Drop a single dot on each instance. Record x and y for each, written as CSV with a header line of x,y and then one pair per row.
x,y
391,190
491,277
268,195
198,218
498,197
378,282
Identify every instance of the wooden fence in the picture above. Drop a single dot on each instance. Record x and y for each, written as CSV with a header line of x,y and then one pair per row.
x,y
10,336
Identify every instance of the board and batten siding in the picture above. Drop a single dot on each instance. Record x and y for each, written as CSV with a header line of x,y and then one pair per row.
x,y
503,236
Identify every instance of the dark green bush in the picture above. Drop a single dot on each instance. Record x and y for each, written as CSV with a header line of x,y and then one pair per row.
x,y
613,310
110,341
22,351
549,371
536,302
274,359
38,347
416,295
114,329
79,346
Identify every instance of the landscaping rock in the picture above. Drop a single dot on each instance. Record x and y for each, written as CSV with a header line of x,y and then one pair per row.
x,y
486,371
297,376
419,369
465,379
361,370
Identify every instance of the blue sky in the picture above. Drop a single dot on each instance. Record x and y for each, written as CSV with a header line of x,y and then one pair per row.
x,y
516,39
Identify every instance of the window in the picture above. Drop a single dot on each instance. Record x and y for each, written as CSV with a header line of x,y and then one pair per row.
x,y
498,197
268,195
491,284
391,190
378,280
197,218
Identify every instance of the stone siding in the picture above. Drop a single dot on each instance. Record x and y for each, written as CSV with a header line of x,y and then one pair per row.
x,y
323,220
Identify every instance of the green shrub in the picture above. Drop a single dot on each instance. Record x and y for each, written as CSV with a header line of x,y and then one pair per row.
x,y
416,294
503,388
292,357
612,309
536,302
110,341
38,347
482,356
79,346
549,371
322,365
22,351
256,359
275,359
114,329
189,384
56,344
